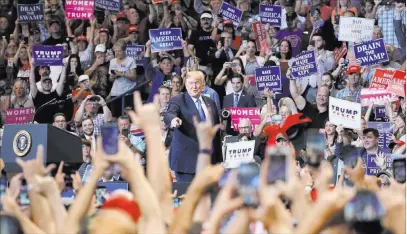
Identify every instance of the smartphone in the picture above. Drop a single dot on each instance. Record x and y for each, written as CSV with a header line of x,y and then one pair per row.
x,y
25,40
110,137
222,181
336,20
248,183
278,165
315,147
233,65
23,199
176,202
125,132
244,43
364,207
100,194
399,170
113,72
68,170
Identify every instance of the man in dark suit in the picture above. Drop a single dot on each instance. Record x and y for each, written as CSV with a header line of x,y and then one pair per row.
x,y
184,146
239,98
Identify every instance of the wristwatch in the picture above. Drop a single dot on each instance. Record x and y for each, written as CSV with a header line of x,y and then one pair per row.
x,y
205,151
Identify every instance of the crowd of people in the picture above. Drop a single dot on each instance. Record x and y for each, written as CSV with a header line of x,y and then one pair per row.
x,y
178,127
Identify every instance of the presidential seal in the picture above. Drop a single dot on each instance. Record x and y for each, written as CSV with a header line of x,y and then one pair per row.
x,y
22,143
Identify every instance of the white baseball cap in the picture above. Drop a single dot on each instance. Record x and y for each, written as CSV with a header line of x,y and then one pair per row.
x,y
83,78
100,48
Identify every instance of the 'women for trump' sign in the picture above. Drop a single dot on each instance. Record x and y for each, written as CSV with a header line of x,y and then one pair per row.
x,y
79,9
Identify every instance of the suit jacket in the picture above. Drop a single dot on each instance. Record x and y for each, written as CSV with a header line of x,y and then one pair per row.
x,y
184,146
245,100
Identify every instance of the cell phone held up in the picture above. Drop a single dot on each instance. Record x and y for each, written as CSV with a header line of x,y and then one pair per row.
x,y
278,166
399,170
110,137
23,199
248,183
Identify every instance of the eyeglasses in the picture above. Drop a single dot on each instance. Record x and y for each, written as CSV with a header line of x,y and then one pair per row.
x,y
280,140
244,127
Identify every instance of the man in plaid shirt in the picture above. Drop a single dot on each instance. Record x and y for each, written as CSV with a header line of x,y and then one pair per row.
x,y
386,15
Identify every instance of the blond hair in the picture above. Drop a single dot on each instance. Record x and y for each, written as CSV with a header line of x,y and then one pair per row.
x,y
196,74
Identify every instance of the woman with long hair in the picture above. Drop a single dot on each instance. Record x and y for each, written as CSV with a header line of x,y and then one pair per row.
x,y
399,127
176,85
73,71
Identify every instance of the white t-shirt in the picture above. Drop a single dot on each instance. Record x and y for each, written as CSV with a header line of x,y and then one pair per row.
x,y
121,84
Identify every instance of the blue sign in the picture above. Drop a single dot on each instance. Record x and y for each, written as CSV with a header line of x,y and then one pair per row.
x,y
113,6
372,168
371,52
268,77
304,65
231,13
136,52
165,39
114,185
30,12
270,14
47,55
385,132
380,114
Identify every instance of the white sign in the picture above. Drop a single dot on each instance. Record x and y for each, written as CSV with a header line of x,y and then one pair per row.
x,y
238,153
355,29
345,113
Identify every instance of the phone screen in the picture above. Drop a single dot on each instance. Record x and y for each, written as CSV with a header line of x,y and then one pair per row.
x,y
3,188
277,169
110,134
23,199
399,170
100,194
315,147
125,132
364,207
244,43
113,72
248,183
337,17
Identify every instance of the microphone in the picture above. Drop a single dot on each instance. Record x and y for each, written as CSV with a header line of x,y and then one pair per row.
x,y
42,107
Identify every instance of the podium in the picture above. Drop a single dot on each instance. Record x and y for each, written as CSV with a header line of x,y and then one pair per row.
x,y
21,141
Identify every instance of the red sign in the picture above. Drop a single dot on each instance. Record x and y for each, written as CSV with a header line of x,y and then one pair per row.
x,y
157,1
79,9
396,89
20,115
381,78
260,32
376,96
238,113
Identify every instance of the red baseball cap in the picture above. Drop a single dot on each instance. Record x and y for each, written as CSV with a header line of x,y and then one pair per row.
x,y
353,69
121,15
81,38
225,22
132,28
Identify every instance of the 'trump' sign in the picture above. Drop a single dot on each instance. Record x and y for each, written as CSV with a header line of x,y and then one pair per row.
x,y
376,96
238,153
48,55
30,12
371,52
345,113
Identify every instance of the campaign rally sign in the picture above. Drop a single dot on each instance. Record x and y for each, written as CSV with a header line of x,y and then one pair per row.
x,y
113,6
355,29
165,39
231,13
30,12
372,168
79,9
385,131
399,79
381,78
396,89
380,113
20,115
136,52
48,55
238,153
304,65
270,14
268,77
252,113
376,96
371,52
260,33
344,112
157,1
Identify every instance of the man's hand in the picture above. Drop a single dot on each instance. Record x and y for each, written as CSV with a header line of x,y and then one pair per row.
x,y
340,130
268,93
125,140
102,101
176,122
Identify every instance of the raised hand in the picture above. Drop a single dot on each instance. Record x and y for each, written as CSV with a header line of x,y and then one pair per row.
x,y
380,160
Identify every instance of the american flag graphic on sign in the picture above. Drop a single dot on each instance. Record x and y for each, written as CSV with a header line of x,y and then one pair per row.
x,y
136,131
